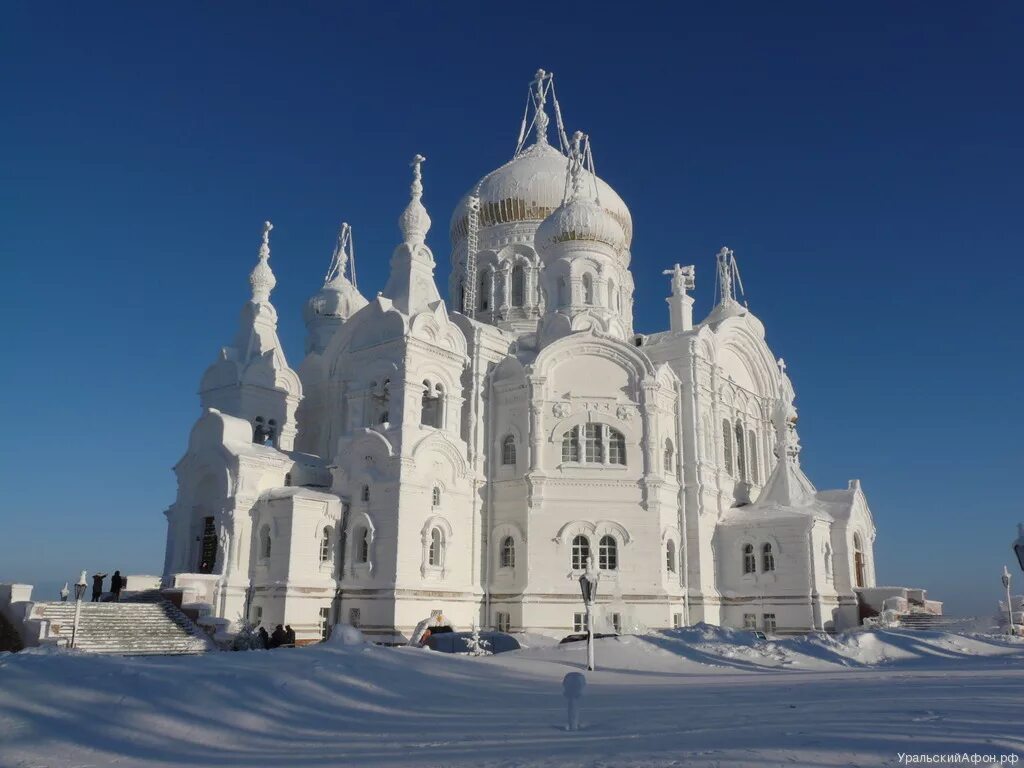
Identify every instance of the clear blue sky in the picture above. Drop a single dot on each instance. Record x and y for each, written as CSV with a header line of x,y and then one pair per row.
x,y
866,167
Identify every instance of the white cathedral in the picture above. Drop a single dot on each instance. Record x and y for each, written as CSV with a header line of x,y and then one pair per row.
x,y
472,458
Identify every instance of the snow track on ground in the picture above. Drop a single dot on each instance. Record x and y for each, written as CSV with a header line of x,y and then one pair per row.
x,y
698,696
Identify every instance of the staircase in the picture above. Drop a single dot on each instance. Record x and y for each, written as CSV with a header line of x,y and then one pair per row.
x,y
141,624
922,620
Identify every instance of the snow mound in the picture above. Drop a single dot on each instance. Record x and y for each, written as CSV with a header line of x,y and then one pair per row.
x,y
345,634
704,649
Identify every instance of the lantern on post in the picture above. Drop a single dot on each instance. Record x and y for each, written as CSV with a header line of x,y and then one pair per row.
x,y
588,586
1009,600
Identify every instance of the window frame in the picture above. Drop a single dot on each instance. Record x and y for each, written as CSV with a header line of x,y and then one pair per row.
x,y
580,552
749,559
507,552
325,544
608,553
508,450
767,558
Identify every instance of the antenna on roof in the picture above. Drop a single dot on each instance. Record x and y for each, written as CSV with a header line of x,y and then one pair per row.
x,y
541,88
344,256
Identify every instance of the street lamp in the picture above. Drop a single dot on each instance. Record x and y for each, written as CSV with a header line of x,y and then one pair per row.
x,y
588,586
1009,603
1018,545
79,593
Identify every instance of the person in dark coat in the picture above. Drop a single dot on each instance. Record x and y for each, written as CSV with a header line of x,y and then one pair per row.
x,y
264,638
116,582
289,635
278,637
97,586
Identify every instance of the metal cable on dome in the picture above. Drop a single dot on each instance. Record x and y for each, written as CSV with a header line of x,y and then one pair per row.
x,y
522,127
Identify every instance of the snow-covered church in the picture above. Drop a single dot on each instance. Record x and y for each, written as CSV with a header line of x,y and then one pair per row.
x,y
472,456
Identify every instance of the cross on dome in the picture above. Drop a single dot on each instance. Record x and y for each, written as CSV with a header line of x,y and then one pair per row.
x,y
261,279
414,221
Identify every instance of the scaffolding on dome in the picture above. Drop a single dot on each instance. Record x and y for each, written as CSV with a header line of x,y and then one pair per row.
x,y
344,256
541,88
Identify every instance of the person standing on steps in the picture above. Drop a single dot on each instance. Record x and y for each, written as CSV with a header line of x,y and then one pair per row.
x,y
264,638
97,586
116,582
289,636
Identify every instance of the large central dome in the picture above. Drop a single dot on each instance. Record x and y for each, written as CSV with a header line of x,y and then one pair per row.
x,y
527,189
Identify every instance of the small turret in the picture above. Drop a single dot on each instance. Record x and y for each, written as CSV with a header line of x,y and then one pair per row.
x,y
338,299
411,286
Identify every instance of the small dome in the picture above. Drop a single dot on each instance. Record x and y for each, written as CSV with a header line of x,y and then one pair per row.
x,y
580,219
337,299
528,189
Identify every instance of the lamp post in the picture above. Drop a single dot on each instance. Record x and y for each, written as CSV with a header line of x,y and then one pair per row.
x,y
79,593
1009,603
588,586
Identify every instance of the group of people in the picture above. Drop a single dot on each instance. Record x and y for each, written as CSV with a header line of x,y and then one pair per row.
x,y
281,637
116,585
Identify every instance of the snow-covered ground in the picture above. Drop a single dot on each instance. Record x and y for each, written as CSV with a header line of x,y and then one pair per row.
x,y
694,697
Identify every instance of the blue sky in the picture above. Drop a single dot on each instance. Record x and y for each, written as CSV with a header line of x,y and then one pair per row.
x,y
865,166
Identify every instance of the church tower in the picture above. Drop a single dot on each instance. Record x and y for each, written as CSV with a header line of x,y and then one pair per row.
x,y
586,280
251,379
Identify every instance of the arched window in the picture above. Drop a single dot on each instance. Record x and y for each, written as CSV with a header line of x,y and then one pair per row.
x,y
593,448
588,288
670,557
616,447
571,445
265,543
325,545
749,561
601,444
362,542
669,456
433,399
608,554
767,558
518,285
435,555
435,496
508,450
385,398
365,493
741,451
727,445
483,293
755,471
580,552
460,296
508,552
858,560
264,433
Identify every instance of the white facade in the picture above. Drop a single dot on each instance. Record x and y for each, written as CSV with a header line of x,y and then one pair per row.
x,y
470,457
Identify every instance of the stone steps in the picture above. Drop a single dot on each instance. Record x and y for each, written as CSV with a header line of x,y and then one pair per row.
x,y
141,624
924,621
